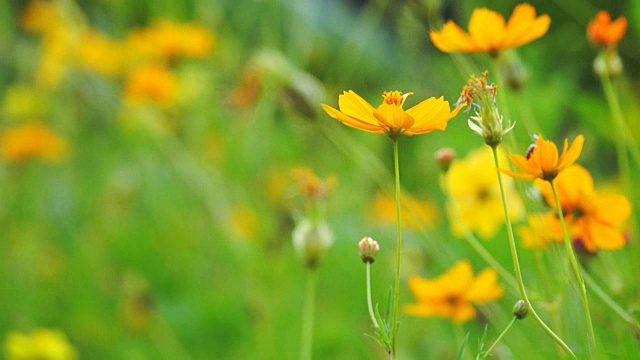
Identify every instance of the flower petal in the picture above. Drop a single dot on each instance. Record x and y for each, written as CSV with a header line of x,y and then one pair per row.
x,y
353,122
353,105
570,156
487,29
485,287
451,38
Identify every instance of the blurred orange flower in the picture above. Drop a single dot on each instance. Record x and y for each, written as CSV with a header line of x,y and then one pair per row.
x,y
542,161
453,294
593,220
602,31
151,82
32,140
489,33
390,118
170,40
99,53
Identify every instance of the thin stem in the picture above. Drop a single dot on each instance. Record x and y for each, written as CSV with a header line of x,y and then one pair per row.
x,y
473,241
306,343
609,301
495,343
576,270
396,295
369,303
623,136
516,262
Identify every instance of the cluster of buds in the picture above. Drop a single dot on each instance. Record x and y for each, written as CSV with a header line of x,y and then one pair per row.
x,y
312,236
487,121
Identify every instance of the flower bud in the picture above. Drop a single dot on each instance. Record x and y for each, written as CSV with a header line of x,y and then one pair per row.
x,y
488,121
520,310
311,240
444,157
368,249
608,63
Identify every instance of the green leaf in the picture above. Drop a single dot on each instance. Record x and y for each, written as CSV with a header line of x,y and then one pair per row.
x,y
464,344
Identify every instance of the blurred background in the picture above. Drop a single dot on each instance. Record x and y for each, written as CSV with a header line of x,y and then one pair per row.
x,y
147,149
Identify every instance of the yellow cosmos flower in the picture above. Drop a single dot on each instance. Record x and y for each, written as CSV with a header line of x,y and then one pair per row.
x,y
416,213
488,31
390,118
540,230
99,53
39,344
476,203
602,31
542,160
170,40
594,221
453,294
32,141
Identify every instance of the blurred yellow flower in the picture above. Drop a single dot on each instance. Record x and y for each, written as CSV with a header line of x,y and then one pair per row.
x,y
542,161
594,221
99,53
32,140
488,31
22,101
390,118
540,230
170,40
416,213
152,82
244,222
453,294
602,31
45,344
476,203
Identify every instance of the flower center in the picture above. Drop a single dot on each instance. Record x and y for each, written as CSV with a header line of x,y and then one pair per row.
x,y
453,300
394,97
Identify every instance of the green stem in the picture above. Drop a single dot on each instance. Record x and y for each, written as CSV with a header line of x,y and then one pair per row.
x,y
623,135
369,303
516,262
495,343
609,301
576,270
396,295
306,344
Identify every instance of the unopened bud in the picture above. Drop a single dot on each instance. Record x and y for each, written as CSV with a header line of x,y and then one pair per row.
x,y
608,63
312,239
444,157
520,310
368,249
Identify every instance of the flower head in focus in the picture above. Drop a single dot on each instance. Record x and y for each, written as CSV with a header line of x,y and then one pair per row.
x,y
594,220
488,31
475,200
602,31
542,160
32,140
453,294
390,118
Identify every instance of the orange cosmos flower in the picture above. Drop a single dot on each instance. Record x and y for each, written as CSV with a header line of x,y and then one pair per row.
x,y
390,118
489,33
151,82
453,294
542,161
594,221
32,140
602,31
